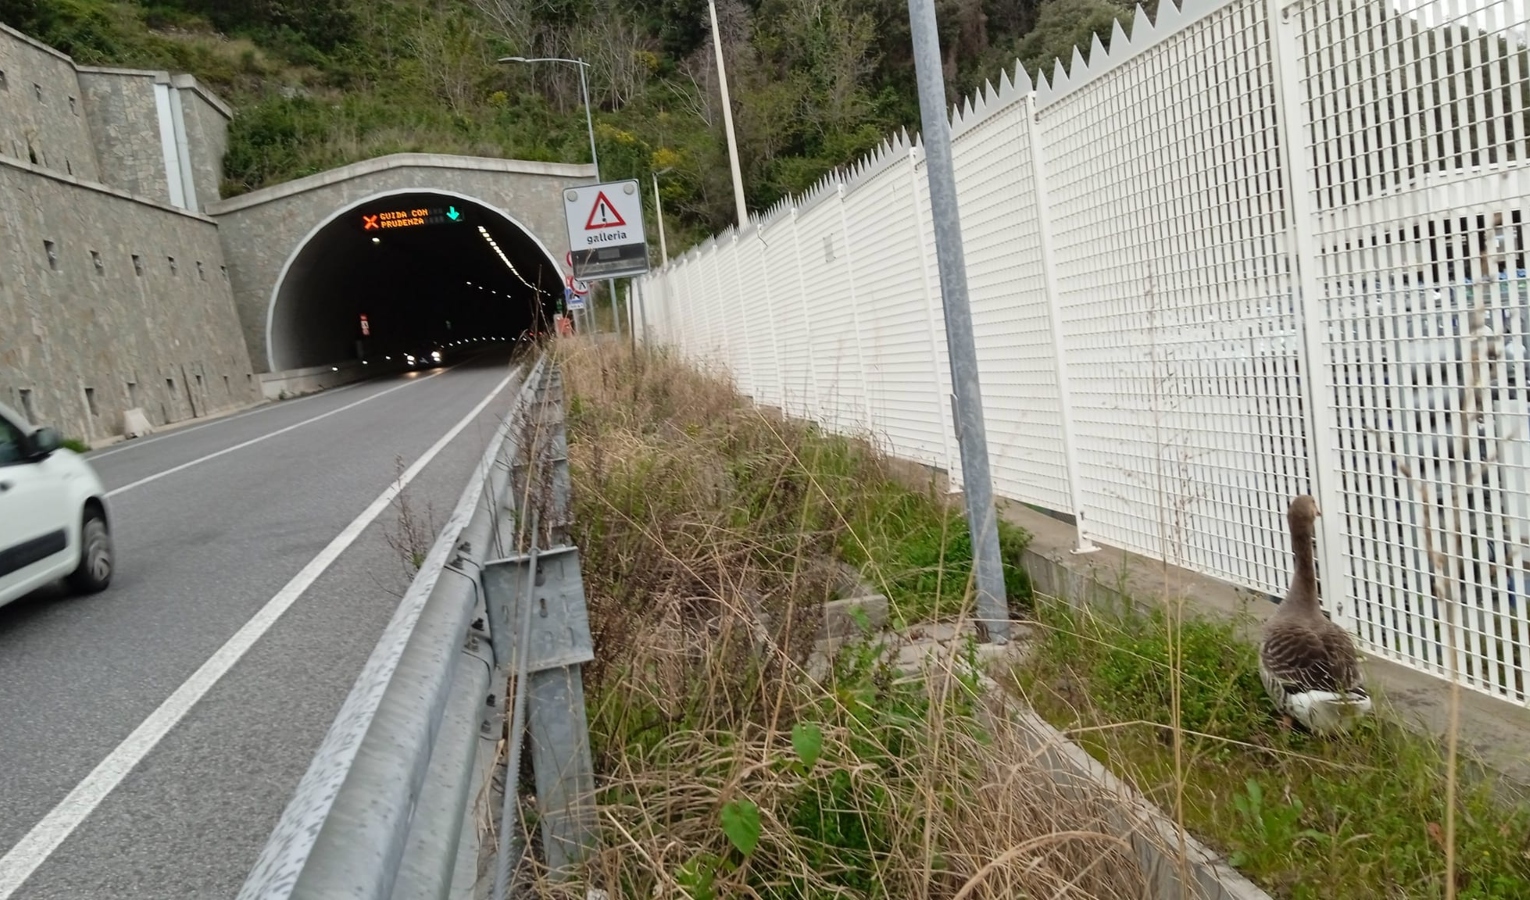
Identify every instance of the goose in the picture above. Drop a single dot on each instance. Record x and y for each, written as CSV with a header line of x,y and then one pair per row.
x,y
1309,666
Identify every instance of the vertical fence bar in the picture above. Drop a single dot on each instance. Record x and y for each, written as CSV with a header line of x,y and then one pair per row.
x,y
1054,315
1322,457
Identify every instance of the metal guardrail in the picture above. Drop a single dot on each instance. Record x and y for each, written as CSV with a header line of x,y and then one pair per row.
x,y
387,808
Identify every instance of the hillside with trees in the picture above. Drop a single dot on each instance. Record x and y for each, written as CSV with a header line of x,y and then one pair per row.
x,y
319,83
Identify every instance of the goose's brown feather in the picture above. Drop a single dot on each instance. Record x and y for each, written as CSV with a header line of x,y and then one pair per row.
x,y
1303,657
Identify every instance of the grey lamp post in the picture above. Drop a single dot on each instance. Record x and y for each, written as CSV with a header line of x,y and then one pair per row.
x,y
589,123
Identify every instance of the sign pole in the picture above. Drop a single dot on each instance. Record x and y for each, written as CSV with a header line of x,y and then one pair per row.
x,y
971,433
616,318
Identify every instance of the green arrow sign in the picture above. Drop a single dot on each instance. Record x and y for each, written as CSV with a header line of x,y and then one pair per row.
x,y
451,213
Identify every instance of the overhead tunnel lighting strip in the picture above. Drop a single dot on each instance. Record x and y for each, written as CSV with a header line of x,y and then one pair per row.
x,y
511,266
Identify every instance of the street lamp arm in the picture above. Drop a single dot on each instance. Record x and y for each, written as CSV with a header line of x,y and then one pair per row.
x,y
522,59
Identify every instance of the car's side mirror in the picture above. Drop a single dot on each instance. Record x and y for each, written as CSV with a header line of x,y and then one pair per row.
x,y
43,442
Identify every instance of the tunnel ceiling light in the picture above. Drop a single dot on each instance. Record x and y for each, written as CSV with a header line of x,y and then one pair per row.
x,y
506,260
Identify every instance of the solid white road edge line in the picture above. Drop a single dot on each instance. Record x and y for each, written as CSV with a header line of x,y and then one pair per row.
x,y
268,435
125,446
31,851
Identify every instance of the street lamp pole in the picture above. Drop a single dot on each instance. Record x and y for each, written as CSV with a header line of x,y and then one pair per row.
x,y
589,123
727,111
658,207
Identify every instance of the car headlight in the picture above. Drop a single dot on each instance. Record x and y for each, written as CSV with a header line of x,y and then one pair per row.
x,y
436,356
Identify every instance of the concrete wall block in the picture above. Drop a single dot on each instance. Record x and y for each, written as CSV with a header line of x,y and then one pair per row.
x,y
42,108
207,133
124,124
103,332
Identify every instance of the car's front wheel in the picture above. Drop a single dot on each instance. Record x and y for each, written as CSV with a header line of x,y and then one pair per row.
x,y
94,572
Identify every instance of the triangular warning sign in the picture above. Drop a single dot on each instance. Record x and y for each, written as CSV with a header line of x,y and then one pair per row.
x,y
603,215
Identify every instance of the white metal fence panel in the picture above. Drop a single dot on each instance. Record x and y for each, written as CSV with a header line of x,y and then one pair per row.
x,y
1168,226
893,299
759,327
695,339
734,303
677,288
783,265
940,363
1259,248
826,290
704,298
1416,116
1010,318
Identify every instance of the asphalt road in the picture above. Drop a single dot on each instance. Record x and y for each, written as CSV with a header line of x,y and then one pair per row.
x,y
202,545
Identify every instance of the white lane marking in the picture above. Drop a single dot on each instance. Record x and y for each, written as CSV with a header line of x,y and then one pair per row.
x,y
268,435
264,407
45,837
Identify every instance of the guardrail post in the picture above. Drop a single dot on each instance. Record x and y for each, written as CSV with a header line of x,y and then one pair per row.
x,y
556,644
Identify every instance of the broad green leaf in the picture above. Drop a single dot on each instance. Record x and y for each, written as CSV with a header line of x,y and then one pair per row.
x,y
807,740
741,823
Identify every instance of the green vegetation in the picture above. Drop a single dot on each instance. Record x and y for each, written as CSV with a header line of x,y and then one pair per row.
x,y
807,496
706,527
1306,817
815,83
78,445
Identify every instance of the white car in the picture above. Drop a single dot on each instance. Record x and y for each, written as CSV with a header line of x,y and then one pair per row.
x,y
53,518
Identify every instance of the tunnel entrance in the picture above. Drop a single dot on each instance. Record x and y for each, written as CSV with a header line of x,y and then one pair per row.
x,y
397,272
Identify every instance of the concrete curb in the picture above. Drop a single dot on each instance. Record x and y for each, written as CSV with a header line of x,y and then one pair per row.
x,y
1154,837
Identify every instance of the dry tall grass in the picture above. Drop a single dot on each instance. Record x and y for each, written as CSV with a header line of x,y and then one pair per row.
x,y
708,528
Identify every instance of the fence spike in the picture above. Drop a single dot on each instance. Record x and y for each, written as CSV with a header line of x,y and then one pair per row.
x,y
1006,86
1120,44
1022,79
1193,9
1142,26
1098,55
1059,75
1168,17
1078,67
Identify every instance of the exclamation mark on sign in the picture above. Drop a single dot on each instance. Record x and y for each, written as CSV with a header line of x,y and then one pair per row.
x,y
609,217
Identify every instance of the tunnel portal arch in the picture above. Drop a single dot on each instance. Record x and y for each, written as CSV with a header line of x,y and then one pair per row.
x,y
312,317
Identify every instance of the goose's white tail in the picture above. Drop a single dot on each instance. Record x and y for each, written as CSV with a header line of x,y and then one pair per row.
x,y
1326,711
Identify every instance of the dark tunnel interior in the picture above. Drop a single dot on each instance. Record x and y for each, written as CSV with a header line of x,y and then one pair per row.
x,y
422,268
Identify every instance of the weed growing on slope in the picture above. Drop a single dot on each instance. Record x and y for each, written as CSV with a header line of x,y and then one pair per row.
x,y
795,496
1307,817
708,531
